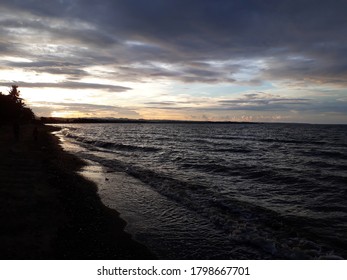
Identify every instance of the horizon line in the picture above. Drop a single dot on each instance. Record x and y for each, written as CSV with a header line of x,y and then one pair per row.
x,y
51,120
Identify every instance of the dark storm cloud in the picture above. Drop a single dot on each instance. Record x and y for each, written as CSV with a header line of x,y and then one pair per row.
x,y
80,106
68,85
51,67
56,29
168,104
268,102
261,102
297,39
219,30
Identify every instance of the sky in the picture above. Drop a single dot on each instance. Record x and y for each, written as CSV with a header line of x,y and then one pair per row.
x,y
216,60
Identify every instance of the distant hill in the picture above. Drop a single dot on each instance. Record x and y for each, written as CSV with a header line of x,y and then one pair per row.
x,y
51,120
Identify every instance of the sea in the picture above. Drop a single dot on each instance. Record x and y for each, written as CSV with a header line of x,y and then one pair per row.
x,y
221,190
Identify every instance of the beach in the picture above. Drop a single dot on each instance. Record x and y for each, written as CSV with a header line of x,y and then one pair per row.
x,y
48,211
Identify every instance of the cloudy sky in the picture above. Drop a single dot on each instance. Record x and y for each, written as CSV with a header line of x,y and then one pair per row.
x,y
234,60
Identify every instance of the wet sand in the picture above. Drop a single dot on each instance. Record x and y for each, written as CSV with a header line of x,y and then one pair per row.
x,y
48,211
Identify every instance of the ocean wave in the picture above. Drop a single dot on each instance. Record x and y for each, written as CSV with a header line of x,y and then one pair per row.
x,y
212,167
233,150
108,145
325,154
292,141
123,147
270,140
242,222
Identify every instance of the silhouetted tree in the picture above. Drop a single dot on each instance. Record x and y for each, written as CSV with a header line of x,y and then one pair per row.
x,y
12,107
14,93
27,114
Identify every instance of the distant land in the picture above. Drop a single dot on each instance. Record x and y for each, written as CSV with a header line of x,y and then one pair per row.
x,y
59,120
51,120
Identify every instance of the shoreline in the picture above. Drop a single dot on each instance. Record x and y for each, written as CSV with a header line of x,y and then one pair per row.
x,y
52,212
